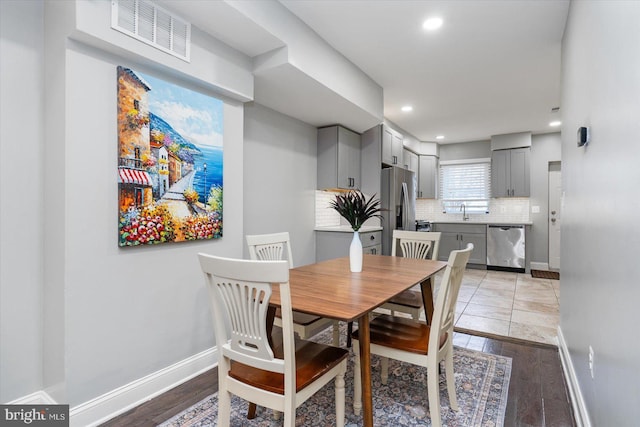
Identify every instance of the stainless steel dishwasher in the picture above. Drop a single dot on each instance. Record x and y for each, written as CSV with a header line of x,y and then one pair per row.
x,y
506,248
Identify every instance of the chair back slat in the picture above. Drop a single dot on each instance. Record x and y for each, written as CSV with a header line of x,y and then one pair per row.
x,y
270,247
240,291
416,244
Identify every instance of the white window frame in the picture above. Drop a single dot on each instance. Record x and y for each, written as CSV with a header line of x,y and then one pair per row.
x,y
454,191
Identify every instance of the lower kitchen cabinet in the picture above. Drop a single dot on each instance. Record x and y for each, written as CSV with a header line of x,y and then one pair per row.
x,y
335,244
457,236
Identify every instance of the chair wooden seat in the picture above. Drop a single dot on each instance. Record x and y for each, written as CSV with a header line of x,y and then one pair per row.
x,y
408,298
277,372
276,246
412,244
412,341
400,333
312,361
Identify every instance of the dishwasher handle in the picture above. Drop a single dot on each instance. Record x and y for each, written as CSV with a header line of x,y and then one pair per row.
x,y
506,227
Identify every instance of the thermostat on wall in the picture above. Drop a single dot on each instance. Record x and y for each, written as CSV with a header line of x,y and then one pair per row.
x,y
583,136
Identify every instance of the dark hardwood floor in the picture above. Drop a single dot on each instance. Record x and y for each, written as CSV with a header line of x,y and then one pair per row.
x,y
538,395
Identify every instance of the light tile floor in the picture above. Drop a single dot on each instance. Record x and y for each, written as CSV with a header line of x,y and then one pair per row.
x,y
509,304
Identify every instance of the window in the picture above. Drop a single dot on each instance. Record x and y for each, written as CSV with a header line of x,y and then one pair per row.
x,y
465,182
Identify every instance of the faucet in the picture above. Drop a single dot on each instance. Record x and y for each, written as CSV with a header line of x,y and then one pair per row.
x,y
463,208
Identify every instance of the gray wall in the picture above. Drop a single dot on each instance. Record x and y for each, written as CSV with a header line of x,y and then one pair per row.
x,y
280,179
465,150
21,205
600,230
81,317
544,149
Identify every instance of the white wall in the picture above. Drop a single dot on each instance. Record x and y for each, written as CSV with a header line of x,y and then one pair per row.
x,y
600,231
280,180
21,204
544,149
80,316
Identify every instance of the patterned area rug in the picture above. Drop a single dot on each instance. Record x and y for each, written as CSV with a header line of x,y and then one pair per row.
x,y
543,274
482,384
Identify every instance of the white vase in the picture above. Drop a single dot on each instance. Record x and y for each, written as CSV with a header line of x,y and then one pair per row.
x,y
355,253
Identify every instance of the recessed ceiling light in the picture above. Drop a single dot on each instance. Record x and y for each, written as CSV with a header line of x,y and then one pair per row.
x,y
555,123
432,24
440,137
407,108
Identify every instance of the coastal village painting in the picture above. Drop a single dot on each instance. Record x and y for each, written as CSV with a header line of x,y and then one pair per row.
x,y
169,163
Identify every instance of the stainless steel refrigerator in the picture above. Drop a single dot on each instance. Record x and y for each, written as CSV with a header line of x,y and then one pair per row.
x,y
398,201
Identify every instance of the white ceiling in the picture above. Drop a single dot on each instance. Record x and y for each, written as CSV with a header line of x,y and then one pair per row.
x,y
493,67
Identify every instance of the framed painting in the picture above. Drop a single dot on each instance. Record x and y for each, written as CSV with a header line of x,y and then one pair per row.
x,y
170,162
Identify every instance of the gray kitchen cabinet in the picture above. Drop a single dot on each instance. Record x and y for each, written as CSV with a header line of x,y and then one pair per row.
x,y
457,236
338,158
411,160
335,244
392,147
427,177
510,172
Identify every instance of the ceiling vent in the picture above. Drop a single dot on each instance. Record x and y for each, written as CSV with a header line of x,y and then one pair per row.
x,y
149,23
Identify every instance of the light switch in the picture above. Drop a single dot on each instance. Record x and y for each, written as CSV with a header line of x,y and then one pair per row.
x,y
535,209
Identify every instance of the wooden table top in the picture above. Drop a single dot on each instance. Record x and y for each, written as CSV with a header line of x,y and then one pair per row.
x,y
330,289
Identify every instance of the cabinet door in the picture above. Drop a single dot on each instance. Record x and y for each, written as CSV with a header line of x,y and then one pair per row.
x,y
448,242
348,159
427,177
519,170
387,143
411,161
479,253
500,173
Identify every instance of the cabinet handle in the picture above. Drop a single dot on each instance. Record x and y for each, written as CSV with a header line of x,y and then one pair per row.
x,y
372,237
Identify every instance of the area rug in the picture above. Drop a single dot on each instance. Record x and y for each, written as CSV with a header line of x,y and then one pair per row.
x,y
542,274
482,384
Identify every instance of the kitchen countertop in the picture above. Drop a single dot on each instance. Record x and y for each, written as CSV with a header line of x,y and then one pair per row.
x,y
482,222
348,229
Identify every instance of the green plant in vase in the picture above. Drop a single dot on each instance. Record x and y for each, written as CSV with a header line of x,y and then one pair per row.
x,y
356,209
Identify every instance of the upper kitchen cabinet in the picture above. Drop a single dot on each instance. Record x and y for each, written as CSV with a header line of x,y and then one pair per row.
x,y
338,158
427,177
411,161
510,172
392,147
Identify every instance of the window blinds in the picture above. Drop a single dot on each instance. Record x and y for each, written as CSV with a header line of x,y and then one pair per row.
x,y
467,182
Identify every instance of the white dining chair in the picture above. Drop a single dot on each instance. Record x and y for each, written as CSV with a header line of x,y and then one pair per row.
x,y
279,376
412,244
415,342
277,246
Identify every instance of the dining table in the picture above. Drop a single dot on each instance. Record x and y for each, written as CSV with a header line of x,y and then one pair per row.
x,y
329,289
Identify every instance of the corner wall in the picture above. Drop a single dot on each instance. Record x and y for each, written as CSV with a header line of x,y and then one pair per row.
x,y
600,229
21,190
280,183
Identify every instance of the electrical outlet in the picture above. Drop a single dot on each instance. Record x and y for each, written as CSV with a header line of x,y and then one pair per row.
x,y
591,357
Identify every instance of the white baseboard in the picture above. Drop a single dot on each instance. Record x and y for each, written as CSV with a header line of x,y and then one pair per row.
x,y
37,398
543,266
120,400
577,401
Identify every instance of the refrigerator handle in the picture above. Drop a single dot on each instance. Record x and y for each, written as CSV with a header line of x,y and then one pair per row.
x,y
405,204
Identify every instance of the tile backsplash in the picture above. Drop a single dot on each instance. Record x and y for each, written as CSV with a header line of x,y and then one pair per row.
x,y
325,215
509,210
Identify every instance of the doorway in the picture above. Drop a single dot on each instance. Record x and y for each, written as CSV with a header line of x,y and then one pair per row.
x,y
555,214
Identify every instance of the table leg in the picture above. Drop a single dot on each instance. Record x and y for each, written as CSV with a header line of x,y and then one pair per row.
x,y
427,298
271,315
365,370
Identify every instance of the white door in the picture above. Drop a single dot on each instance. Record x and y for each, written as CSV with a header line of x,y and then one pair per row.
x,y
555,196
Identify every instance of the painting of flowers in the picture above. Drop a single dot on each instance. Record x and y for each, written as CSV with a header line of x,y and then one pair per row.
x,y
169,162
